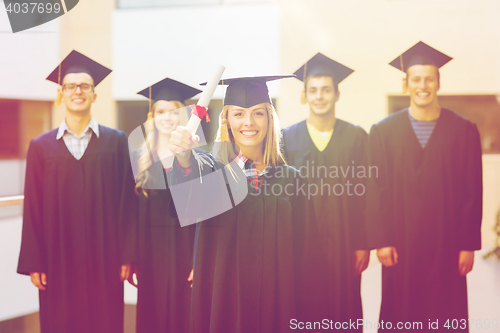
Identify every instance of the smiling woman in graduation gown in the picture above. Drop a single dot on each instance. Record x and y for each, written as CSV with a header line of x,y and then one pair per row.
x,y
258,265
164,248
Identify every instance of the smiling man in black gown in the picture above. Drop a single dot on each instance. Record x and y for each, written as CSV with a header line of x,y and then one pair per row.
x,y
317,147
73,232
424,208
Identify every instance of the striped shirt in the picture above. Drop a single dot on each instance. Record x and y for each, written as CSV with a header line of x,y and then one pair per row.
x,y
77,144
423,129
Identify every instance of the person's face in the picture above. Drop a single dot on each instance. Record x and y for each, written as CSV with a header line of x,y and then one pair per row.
x,y
75,99
423,85
321,95
248,125
166,117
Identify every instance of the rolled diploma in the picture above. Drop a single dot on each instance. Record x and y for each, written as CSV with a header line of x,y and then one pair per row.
x,y
205,98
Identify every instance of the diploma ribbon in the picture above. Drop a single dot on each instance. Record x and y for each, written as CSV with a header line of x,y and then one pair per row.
x,y
200,112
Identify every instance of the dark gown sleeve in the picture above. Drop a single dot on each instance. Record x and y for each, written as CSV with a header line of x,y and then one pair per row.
x,y
129,202
379,222
472,199
31,258
358,203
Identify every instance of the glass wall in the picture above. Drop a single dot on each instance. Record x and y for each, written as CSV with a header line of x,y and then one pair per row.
x,y
20,122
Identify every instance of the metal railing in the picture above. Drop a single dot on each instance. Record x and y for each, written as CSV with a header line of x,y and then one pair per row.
x,y
16,200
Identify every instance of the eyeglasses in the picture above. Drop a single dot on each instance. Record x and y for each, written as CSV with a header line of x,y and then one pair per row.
x,y
71,87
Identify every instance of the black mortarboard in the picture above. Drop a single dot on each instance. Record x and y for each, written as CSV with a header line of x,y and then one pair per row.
x,y
322,65
420,54
76,62
169,90
246,92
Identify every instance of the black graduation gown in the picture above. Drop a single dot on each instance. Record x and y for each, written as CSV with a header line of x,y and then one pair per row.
x,y
259,264
72,231
164,260
340,216
426,202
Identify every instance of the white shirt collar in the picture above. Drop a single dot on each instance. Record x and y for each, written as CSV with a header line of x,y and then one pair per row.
x,y
93,125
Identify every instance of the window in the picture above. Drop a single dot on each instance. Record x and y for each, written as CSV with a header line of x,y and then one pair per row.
x,y
20,122
9,129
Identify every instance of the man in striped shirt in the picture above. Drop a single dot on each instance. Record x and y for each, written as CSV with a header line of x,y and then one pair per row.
x,y
424,208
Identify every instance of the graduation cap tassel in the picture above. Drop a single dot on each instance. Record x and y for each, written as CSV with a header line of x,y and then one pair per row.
x,y
59,97
224,131
150,114
303,99
149,120
404,78
59,94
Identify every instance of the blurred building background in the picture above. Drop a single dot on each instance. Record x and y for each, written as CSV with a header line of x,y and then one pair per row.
x,y
144,41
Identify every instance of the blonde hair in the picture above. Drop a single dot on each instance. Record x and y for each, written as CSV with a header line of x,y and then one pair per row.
x,y
272,142
151,144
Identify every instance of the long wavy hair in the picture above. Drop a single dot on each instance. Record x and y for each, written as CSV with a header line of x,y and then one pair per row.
x,y
272,142
151,142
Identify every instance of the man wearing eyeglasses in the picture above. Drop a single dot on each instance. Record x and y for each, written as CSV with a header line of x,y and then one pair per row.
x,y
74,235
76,130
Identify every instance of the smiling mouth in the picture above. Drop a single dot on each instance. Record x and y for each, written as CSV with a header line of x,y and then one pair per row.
x,y
423,94
249,134
78,100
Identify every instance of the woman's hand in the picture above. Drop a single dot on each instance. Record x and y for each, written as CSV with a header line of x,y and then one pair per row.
x,y
181,143
133,272
125,272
